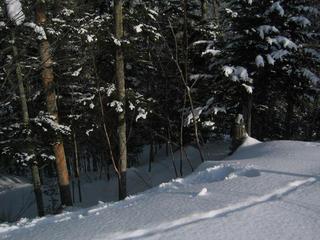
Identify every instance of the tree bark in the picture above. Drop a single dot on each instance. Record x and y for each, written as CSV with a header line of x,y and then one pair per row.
x,y
216,5
204,9
181,133
26,122
121,92
312,125
52,108
247,112
151,153
76,165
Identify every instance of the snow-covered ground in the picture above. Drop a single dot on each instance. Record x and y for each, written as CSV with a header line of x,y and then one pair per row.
x,y
96,189
264,191
16,198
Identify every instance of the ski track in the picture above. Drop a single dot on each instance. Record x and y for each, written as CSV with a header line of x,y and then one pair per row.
x,y
163,227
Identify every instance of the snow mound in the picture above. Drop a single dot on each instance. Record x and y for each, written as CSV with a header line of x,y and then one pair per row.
x,y
220,173
203,192
249,141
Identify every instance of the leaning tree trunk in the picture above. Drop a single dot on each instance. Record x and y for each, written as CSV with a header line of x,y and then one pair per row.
x,y
52,108
120,82
26,122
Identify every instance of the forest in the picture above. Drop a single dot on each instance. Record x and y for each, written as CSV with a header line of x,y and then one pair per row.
x,y
88,87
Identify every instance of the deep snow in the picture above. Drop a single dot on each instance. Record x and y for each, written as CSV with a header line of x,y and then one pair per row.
x,y
96,189
264,191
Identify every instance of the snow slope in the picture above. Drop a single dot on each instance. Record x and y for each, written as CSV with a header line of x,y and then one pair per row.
x,y
264,191
17,190
96,189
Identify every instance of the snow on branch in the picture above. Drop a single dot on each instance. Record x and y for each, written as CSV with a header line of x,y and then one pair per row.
x,y
196,77
308,9
237,73
282,41
200,42
46,120
210,108
313,53
142,113
259,61
231,13
250,2
276,7
117,105
24,158
14,10
189,119
300,21
38,30
77,72
266,29
138,28
212,52
270,59
249,89
278,55
310,76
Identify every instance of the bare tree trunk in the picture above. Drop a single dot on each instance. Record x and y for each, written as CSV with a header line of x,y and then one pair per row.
x,y
216,5
167,142
26,122
52,108
181,133
76,165
247,112
238,133
151,153
172,157
120,82
204,9
312,125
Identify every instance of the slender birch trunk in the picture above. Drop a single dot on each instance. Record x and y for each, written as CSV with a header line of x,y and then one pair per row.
x,y
26,122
